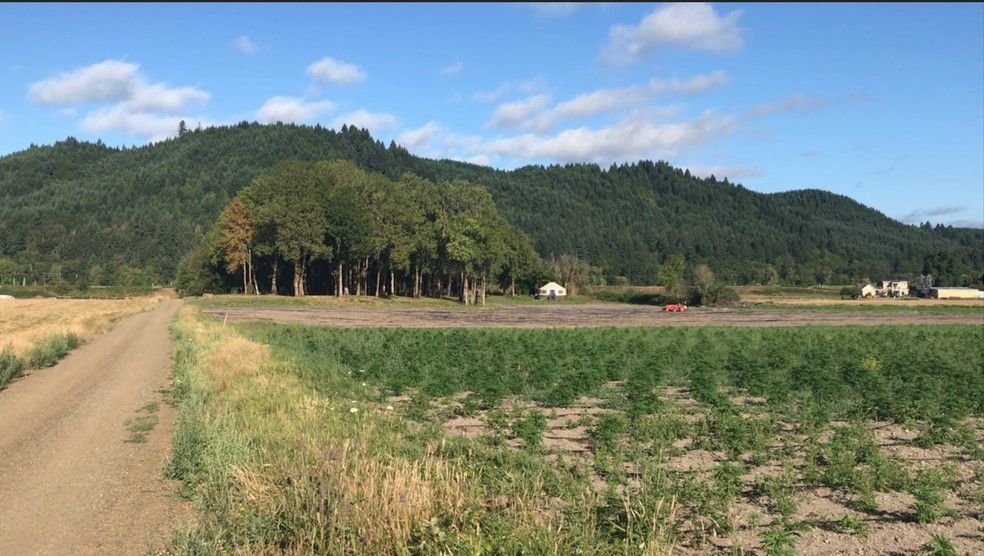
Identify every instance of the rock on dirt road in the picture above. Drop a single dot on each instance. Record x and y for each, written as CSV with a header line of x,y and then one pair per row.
x,y
72,481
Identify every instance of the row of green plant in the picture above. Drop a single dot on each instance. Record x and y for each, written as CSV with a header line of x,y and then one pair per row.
x,y
308,454
883,372
44,353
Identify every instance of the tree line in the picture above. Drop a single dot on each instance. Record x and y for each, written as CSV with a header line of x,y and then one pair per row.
x,y
80,213
329,227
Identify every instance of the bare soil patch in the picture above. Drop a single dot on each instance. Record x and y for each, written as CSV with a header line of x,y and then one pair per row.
x,y
562,315
835,524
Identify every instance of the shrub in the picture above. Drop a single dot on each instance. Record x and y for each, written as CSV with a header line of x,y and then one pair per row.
x,y
11,366
51,350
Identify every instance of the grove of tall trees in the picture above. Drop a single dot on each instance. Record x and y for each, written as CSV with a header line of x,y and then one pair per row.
x,y
337,229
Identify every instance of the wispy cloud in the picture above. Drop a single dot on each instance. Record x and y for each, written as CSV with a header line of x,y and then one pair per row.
x,y
921,215
452,69
798,102
632,138
420,138
494,95
512,114
694,26
244,45
330,70
293,110
688,87
376,123
534,113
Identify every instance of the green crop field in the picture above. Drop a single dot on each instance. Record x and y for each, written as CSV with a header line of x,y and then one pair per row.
x,y
641,440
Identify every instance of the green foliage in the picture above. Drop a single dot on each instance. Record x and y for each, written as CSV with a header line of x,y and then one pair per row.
x,y
939,545
852,526
530,429
86,210
11,366
779,541
51,350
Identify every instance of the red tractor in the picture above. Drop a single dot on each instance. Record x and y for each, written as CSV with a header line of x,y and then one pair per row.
x,y
675,307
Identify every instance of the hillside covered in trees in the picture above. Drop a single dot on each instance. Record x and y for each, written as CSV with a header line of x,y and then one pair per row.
x,y
87,214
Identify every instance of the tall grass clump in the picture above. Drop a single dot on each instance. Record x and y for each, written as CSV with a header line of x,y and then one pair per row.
x,y
51,350
11,366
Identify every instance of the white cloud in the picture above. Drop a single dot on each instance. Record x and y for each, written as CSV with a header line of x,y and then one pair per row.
x,y
376,123
490,96
329,70
533,113
292,110
128,103
630,139
512,114
452,69
797,102
159,98
107,81
693,26
604,100
690,87
244,45
420,138
119,118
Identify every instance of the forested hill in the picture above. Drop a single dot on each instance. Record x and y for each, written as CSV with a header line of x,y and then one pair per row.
x,y
128,215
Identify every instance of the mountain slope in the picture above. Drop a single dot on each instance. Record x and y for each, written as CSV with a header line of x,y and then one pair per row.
x,y
108,215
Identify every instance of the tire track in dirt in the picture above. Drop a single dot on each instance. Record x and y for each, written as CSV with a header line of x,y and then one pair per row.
x,y
70,483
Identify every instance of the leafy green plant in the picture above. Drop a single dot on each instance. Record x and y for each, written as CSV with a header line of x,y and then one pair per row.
x,y
852,526
939,545
608,431
779,541
530,429
928,506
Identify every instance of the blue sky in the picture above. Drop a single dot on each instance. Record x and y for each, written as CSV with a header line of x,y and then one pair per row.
x,y
881,102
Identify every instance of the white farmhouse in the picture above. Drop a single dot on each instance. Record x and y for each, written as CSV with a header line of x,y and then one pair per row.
x,y
551,290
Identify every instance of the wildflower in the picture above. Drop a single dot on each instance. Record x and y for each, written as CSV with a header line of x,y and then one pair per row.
x,y
354,410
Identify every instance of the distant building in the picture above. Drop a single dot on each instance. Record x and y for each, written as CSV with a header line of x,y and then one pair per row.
x,y
551,290
893,288
955,293
868,290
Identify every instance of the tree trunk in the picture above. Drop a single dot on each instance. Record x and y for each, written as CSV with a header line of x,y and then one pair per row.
x,y
416,281
273,279
338,288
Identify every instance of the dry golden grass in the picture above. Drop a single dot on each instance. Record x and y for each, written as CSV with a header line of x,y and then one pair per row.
x,y
24,322
234,358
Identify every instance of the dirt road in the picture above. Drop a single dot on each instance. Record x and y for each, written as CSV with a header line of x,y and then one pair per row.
x,y
579,315
70,481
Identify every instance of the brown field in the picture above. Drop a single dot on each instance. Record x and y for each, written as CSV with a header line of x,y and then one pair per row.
x,y
23,322
566,315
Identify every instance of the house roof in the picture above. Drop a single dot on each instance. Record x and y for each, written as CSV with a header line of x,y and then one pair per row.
x,y
553,285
